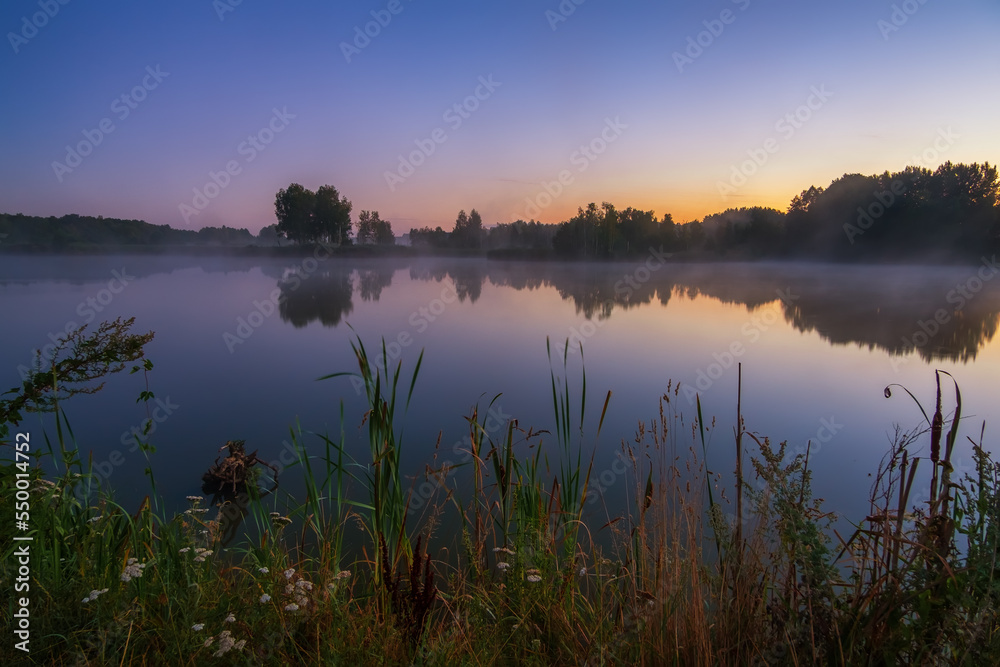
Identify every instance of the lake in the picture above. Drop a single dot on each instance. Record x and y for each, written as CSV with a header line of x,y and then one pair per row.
x,y
240,343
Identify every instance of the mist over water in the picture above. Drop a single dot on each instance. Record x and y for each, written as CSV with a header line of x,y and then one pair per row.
x,y
240,342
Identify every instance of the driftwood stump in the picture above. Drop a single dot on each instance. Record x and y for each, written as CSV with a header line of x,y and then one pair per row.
x,y
229,476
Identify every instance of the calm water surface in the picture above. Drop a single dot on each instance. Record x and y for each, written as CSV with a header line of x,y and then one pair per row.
x,y
818,344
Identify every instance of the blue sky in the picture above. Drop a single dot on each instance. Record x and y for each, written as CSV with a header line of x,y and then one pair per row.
x,y
684,132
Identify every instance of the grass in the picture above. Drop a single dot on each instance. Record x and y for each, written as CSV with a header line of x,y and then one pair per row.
x,y
682,576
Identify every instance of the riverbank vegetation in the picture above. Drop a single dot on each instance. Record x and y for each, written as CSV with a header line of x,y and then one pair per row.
x,y
694,570
950,213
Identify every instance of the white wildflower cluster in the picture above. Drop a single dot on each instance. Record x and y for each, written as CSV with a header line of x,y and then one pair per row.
x,y
533,576
194,499
198,627
94,519
263,570
503,566
94,595
296,588
196,510
225,638
265,598
278,520
133,569
201,554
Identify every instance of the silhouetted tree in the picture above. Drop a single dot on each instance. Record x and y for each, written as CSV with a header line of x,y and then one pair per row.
x,y
294,209
332,216
468,230
305,216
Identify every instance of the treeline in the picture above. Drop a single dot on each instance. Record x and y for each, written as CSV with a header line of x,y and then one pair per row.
x,y
951,212
19,231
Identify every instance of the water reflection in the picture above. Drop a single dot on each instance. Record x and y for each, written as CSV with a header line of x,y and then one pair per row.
x,y
934,312
322,295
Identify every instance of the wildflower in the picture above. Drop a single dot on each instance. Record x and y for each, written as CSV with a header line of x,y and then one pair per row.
x,y
94,519
196,510
263,570
208,642
225,643
289,573
280,520
534,578
503,566
289,589
133,570
582,572
240,644
195,499
184,550
94,595
230,619
301,601
198,627
265,598
503,550
291,607
302,583
202,554
343,574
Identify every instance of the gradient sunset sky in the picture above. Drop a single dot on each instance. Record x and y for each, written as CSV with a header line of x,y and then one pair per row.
x,y
901,82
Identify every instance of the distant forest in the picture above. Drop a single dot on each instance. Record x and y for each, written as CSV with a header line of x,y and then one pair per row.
x,y
949,213
81,232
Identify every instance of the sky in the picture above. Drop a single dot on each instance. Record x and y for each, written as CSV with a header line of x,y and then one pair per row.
x,y
195,113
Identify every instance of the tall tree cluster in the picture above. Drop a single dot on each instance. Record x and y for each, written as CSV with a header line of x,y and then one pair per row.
x,y
373,230
305,216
